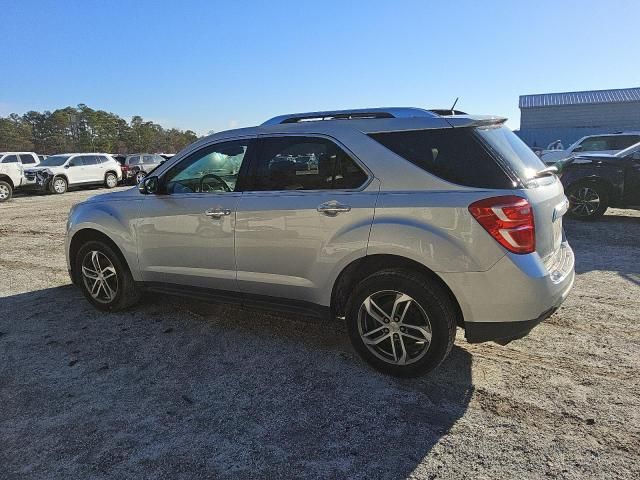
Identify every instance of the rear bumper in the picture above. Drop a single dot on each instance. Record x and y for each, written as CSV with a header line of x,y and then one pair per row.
x,y
515,295
503,332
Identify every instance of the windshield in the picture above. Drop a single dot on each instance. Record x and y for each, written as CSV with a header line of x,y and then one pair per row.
x,y
54,161
514,151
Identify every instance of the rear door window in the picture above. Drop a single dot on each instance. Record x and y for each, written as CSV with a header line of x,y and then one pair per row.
x,y
135,160
304,163
10,159
453,154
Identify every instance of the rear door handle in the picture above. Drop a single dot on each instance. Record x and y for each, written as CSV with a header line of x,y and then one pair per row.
x,y
217,212
332,208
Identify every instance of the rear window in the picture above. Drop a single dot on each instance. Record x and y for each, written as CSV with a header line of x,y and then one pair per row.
x,y
512,151
456,155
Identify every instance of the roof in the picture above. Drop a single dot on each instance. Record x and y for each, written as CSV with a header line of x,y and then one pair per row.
x,y
620,95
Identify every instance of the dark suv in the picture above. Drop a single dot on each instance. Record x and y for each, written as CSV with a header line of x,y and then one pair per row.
x,y
594,182
139,165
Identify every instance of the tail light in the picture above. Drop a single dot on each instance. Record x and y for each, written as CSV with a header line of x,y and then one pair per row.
x,y
125,168
509,220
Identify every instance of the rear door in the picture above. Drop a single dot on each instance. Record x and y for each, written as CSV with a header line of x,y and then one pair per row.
x,y
93,168
308,207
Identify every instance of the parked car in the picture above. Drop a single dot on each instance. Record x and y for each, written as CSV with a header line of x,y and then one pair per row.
x,y
119,158
138,166
59,172
594,182
607,143
12,165
405,225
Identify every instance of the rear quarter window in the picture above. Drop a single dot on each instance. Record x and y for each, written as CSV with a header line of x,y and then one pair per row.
x,y
455,155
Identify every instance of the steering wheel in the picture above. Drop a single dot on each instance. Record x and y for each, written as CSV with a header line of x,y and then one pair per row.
x,y
225,187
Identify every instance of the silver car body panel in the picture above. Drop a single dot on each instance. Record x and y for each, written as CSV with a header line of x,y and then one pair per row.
x,y
277,243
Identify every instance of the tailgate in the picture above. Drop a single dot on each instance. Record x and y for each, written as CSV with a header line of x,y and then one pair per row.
x,y
549,205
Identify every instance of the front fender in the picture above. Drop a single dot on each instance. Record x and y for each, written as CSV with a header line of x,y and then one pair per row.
x,y
112,220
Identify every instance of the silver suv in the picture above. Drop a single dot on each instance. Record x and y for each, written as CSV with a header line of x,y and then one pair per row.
x,y
403,222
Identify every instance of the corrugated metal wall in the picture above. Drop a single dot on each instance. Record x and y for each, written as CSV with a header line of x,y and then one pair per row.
x,y
541,125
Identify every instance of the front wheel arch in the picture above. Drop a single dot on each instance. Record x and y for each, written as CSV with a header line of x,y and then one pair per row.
x,y
86,235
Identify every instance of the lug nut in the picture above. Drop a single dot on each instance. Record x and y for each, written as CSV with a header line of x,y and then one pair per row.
x,y
402,329
386,320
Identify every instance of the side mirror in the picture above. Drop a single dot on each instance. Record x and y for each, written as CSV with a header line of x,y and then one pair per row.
x,y
70,164
578,148
149,185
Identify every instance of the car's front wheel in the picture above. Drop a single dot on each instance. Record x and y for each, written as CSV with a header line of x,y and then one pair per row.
x,y
104,277
587,201
140,176
58,185
401,322
5,191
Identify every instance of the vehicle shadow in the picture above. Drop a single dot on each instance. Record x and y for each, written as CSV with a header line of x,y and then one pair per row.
x,y
621,235
180,389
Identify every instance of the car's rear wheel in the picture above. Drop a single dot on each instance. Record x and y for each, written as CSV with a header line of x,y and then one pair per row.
x,y
401,322
6,191
110,180
587,201
58,185
104,277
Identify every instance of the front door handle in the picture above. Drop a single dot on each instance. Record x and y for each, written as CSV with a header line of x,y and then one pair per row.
x,y
217,212
333,208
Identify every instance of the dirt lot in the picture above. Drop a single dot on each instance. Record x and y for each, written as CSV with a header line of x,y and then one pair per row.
x,y
175,389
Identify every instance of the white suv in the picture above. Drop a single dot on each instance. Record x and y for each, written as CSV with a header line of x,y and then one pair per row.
x,y
59,172
12,165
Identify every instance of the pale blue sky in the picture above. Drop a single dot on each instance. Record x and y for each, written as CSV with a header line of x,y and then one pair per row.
x,y
208,65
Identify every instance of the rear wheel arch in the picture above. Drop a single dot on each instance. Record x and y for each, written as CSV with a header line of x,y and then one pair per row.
x,y
362,267
86,235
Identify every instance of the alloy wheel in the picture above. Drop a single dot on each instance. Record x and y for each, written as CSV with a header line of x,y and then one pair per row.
x,y
140,176
112,181
59,185
394,327
585,201
4,192
99,276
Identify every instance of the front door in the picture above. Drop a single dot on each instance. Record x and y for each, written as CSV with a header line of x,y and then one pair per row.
x,y
186,233
632,180
308,207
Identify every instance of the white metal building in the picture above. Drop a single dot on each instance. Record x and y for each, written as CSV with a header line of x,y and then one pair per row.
x,y
568,116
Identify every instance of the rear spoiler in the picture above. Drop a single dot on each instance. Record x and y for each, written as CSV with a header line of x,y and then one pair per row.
x,y
459,121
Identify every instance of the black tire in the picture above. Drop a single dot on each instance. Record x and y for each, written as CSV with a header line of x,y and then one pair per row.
x,y
431,299
126,293
6,191
58,185
139,177
582,204
112,178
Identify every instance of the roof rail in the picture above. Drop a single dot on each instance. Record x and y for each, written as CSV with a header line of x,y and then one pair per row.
x,y
364,113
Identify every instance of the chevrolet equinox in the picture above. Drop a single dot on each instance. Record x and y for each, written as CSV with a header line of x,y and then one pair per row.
x,y
405,223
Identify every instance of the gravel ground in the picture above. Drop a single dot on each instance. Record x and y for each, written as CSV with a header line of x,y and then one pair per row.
x,y
176,389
